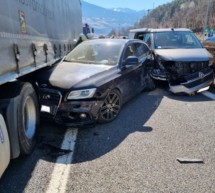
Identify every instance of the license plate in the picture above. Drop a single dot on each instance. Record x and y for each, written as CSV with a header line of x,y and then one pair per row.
x,y
46,109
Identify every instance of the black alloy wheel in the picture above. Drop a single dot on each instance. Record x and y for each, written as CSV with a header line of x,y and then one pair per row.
x,y
111,107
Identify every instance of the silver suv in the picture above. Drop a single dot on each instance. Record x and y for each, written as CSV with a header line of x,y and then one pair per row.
x,y
179,58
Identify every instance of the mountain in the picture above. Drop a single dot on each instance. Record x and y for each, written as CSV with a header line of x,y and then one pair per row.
x,y
193,14
104,20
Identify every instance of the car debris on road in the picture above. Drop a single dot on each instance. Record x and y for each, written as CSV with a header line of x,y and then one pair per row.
x,y
189,160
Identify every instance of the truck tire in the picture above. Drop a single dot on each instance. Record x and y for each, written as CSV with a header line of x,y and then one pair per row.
x,y
28,119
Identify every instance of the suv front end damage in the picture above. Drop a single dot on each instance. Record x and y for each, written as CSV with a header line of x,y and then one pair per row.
x,y
179,58
186,77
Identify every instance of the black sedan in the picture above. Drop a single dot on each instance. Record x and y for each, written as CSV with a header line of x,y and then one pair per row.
x,y
93,81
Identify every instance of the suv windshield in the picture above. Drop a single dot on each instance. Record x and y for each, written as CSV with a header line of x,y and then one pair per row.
x,y
175,40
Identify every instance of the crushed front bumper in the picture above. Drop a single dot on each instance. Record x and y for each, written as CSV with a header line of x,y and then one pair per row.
x,y
194,83
78,113
70,113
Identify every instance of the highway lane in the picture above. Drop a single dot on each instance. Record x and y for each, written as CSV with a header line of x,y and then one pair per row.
x,y
135,153
139,152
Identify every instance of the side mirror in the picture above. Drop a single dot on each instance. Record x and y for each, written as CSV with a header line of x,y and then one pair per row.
x,y
131,60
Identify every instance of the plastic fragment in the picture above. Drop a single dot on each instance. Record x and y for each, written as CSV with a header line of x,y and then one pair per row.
x,y
56,151
189,160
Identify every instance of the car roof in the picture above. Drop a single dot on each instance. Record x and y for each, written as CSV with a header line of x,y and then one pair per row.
x,y
122,41
109,39
159,29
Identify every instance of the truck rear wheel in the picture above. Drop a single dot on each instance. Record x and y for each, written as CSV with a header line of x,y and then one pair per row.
x,y
28,119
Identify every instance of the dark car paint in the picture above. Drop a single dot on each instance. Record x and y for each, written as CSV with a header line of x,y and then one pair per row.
x,y
69,75
128,79
97,76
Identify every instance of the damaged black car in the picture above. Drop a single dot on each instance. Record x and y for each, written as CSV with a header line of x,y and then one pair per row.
x,y
94,80
179,58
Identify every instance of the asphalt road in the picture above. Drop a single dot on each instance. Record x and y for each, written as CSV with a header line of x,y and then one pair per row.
x,y
136,153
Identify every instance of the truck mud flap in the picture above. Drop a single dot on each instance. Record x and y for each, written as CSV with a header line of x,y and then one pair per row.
x,y
10,116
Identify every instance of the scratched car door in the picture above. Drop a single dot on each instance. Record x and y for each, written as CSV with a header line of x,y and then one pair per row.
x,y
144,54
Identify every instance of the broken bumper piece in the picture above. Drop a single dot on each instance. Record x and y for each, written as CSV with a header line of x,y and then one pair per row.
x,y
193,85
78,113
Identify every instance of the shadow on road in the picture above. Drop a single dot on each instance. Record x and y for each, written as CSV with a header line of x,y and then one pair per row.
x,y
197,97
95,142
98,141
20,170
91,142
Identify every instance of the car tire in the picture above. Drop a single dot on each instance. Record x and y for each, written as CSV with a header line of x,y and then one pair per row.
x,y
111,107
28,119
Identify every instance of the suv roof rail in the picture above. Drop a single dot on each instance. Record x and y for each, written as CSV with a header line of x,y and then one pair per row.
x,y
158,29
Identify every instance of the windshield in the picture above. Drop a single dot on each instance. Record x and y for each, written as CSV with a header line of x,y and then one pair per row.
x,y
176,40
96,52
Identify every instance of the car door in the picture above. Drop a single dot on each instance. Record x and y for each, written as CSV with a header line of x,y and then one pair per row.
x,y
130,74
145,56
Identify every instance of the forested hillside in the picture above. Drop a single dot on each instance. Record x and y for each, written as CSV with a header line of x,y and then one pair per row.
x,y
193,14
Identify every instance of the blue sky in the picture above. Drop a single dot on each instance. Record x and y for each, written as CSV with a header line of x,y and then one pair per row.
x,y
132,4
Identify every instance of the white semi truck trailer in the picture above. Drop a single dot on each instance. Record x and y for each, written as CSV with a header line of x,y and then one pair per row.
x,y
33,35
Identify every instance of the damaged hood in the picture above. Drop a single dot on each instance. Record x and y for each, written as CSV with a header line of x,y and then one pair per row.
x,y
198,54
67,74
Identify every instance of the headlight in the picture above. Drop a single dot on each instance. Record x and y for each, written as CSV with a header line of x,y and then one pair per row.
x,y
82,94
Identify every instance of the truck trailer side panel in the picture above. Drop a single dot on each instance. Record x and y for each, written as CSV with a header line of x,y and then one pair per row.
x,y
36,33
33,35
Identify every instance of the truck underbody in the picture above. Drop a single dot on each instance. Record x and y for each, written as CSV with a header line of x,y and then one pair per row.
x,y
32,37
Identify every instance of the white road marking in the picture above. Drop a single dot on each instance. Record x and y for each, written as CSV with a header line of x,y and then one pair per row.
x,y
61,170
209,95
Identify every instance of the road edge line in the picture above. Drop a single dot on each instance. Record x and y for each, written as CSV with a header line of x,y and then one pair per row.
x,y
60,174
209,95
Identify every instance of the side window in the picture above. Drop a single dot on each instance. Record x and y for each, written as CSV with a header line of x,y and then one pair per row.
x,y
145,37
129,51
141,50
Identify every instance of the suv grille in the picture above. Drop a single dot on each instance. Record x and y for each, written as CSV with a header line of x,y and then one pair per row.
x,y
50,97
184,68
